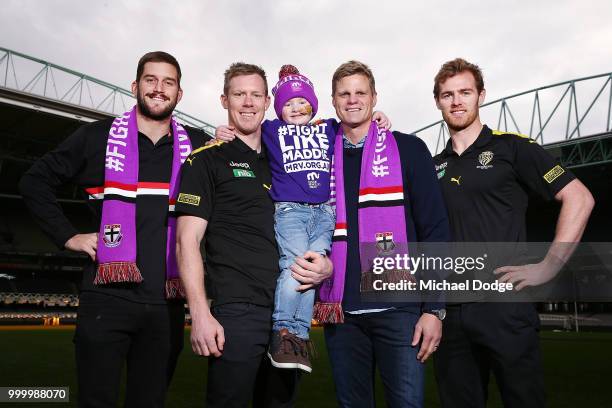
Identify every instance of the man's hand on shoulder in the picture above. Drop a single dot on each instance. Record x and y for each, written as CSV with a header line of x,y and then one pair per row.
x,y
207,335
87,243
311,269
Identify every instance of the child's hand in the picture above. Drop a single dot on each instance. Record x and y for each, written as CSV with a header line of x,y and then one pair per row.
x,y
382,120
225,133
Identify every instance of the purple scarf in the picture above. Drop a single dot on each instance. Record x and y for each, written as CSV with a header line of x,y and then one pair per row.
x,y
382,224
117,236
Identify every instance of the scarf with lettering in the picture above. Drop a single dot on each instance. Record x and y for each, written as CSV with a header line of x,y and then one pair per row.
x,y
117,237
381,216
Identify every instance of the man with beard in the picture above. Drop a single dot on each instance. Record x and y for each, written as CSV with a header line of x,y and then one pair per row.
x,y
485,176
129,168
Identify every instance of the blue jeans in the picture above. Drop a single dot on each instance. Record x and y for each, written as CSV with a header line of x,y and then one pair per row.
x,y
299,228
366,341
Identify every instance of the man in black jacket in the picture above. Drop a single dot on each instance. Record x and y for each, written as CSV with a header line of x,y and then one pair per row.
x,y
125,320
391,199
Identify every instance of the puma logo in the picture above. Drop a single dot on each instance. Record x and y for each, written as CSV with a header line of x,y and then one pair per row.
x,y
456,180
267,187
189,160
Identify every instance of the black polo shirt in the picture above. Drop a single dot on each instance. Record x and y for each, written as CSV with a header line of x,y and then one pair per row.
x,y
80,160
486,188
227,184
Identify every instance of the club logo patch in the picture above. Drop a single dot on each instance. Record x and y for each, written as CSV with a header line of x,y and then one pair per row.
x,y
441,173
484,159
384,242
553,174
112,235
188,199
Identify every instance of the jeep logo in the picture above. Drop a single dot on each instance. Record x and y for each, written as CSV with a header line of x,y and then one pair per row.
x,y
243,165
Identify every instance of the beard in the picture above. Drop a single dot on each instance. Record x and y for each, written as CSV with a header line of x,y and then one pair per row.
x,y
458,125
145,111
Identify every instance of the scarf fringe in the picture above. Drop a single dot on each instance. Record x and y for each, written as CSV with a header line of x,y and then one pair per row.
x,y
175,289
328,313
391,276
115,272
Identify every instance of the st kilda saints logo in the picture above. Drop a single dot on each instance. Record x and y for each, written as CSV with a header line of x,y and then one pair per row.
x,y
112,235
384,242
484,159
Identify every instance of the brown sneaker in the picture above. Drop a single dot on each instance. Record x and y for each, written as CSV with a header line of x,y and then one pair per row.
x,y
289,351
303,358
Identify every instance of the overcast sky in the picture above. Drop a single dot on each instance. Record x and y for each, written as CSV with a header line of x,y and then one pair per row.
x,y
519,44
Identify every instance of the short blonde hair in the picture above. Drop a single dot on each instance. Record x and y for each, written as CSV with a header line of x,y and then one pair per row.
x,y
241,68
353,68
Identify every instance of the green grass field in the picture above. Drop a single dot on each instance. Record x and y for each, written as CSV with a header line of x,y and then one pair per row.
x,y
577,369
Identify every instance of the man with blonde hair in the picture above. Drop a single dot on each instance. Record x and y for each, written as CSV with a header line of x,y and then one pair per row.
x,y
386,197
224,196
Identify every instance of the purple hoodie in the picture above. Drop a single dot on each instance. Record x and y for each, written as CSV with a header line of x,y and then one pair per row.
x,y
300,159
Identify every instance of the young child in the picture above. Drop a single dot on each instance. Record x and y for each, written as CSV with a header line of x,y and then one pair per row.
x,y
300,153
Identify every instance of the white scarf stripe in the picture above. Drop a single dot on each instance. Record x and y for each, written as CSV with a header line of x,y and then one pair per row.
x,y
128,193
153,191
381,197
340,232
119,191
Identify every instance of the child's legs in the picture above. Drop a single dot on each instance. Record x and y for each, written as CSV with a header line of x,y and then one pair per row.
x,y
320,230
290,226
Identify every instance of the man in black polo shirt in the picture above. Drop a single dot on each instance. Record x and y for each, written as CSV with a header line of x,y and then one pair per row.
x,y
485,176
224,195
122,322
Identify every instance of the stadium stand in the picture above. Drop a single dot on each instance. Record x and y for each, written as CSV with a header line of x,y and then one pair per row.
x,y
38,282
